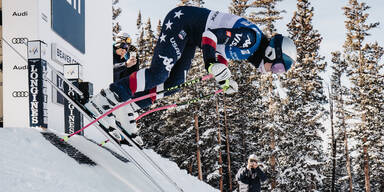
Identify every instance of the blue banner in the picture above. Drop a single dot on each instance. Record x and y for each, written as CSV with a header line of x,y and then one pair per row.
x,y
37,69
68,21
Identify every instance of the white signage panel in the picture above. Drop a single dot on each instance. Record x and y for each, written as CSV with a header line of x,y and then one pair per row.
x,y
19,26
62,56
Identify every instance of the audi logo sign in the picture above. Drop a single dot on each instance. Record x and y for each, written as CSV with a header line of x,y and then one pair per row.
x,y
20,94
20,40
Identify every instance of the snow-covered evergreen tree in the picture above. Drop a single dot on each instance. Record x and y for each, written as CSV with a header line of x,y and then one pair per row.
x,y
366,99
146,41
195,3
266,14
150,42
254,123
116,11
305,94
339,173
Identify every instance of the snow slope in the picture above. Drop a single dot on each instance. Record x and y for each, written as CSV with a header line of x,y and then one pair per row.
x,y
29,162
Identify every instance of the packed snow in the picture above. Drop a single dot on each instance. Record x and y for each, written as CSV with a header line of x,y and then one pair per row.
x,y
31,163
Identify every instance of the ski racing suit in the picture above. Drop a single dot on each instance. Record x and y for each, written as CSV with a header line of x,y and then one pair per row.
x,y
221,36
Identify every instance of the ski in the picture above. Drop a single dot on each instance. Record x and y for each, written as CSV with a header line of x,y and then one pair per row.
x,y
111,139
105,133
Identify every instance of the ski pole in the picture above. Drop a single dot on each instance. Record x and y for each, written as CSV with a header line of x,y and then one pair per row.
x,y
180,104
172,106
186,84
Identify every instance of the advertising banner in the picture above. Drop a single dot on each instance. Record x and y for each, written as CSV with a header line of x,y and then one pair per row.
x,y
72,117
17,16
37,72
68,21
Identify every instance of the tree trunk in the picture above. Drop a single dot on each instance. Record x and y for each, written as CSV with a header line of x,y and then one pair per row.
x,y
348,163
273,160
333,141
366,159
200,175
219,143
366,165
190,165
272,137
227,143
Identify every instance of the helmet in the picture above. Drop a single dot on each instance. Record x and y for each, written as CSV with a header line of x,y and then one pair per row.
x,y
123,37
252,156
281,52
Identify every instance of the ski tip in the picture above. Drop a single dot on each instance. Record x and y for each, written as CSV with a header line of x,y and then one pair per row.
x,y
65,139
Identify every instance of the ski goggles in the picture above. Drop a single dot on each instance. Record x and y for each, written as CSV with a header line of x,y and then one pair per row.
x,y
281,67
123,46
282,62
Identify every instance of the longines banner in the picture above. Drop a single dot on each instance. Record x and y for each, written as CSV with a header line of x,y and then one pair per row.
x,y
72,117
37,72
68,21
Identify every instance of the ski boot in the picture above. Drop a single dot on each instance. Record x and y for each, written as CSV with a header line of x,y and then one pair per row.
x,y
101,103
125,120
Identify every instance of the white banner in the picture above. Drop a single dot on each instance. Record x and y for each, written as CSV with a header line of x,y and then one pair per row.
x,y
19,25
62,56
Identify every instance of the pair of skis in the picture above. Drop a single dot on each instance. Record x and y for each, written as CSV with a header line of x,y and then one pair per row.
x,y
95,121
188,83
104,131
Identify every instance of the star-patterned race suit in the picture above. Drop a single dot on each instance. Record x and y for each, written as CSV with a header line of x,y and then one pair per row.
x,y
221,36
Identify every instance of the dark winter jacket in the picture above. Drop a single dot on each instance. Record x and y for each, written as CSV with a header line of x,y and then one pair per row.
x,y
249,180
120,70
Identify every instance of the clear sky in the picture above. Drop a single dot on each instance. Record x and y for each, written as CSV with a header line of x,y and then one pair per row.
x,y
328,17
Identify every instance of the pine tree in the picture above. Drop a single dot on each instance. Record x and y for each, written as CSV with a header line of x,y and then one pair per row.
x,y
146,41
303,169
266,14
239,7
149,46
366,92
342,169
375,116
116,11
196,3
254,131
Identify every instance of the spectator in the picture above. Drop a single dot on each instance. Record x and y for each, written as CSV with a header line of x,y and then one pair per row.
x,y
249,177
124,63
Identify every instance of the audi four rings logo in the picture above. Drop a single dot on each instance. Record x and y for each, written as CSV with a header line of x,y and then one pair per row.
x,y
19,40
20,94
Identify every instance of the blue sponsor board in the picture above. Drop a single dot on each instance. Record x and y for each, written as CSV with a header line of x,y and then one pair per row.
x,y
73,119
38,111
68,21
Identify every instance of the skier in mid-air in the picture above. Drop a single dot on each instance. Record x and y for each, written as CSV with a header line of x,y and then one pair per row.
x,y
221,36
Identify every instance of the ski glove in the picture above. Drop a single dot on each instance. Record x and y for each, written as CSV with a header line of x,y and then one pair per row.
x,y
222,75
220,71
